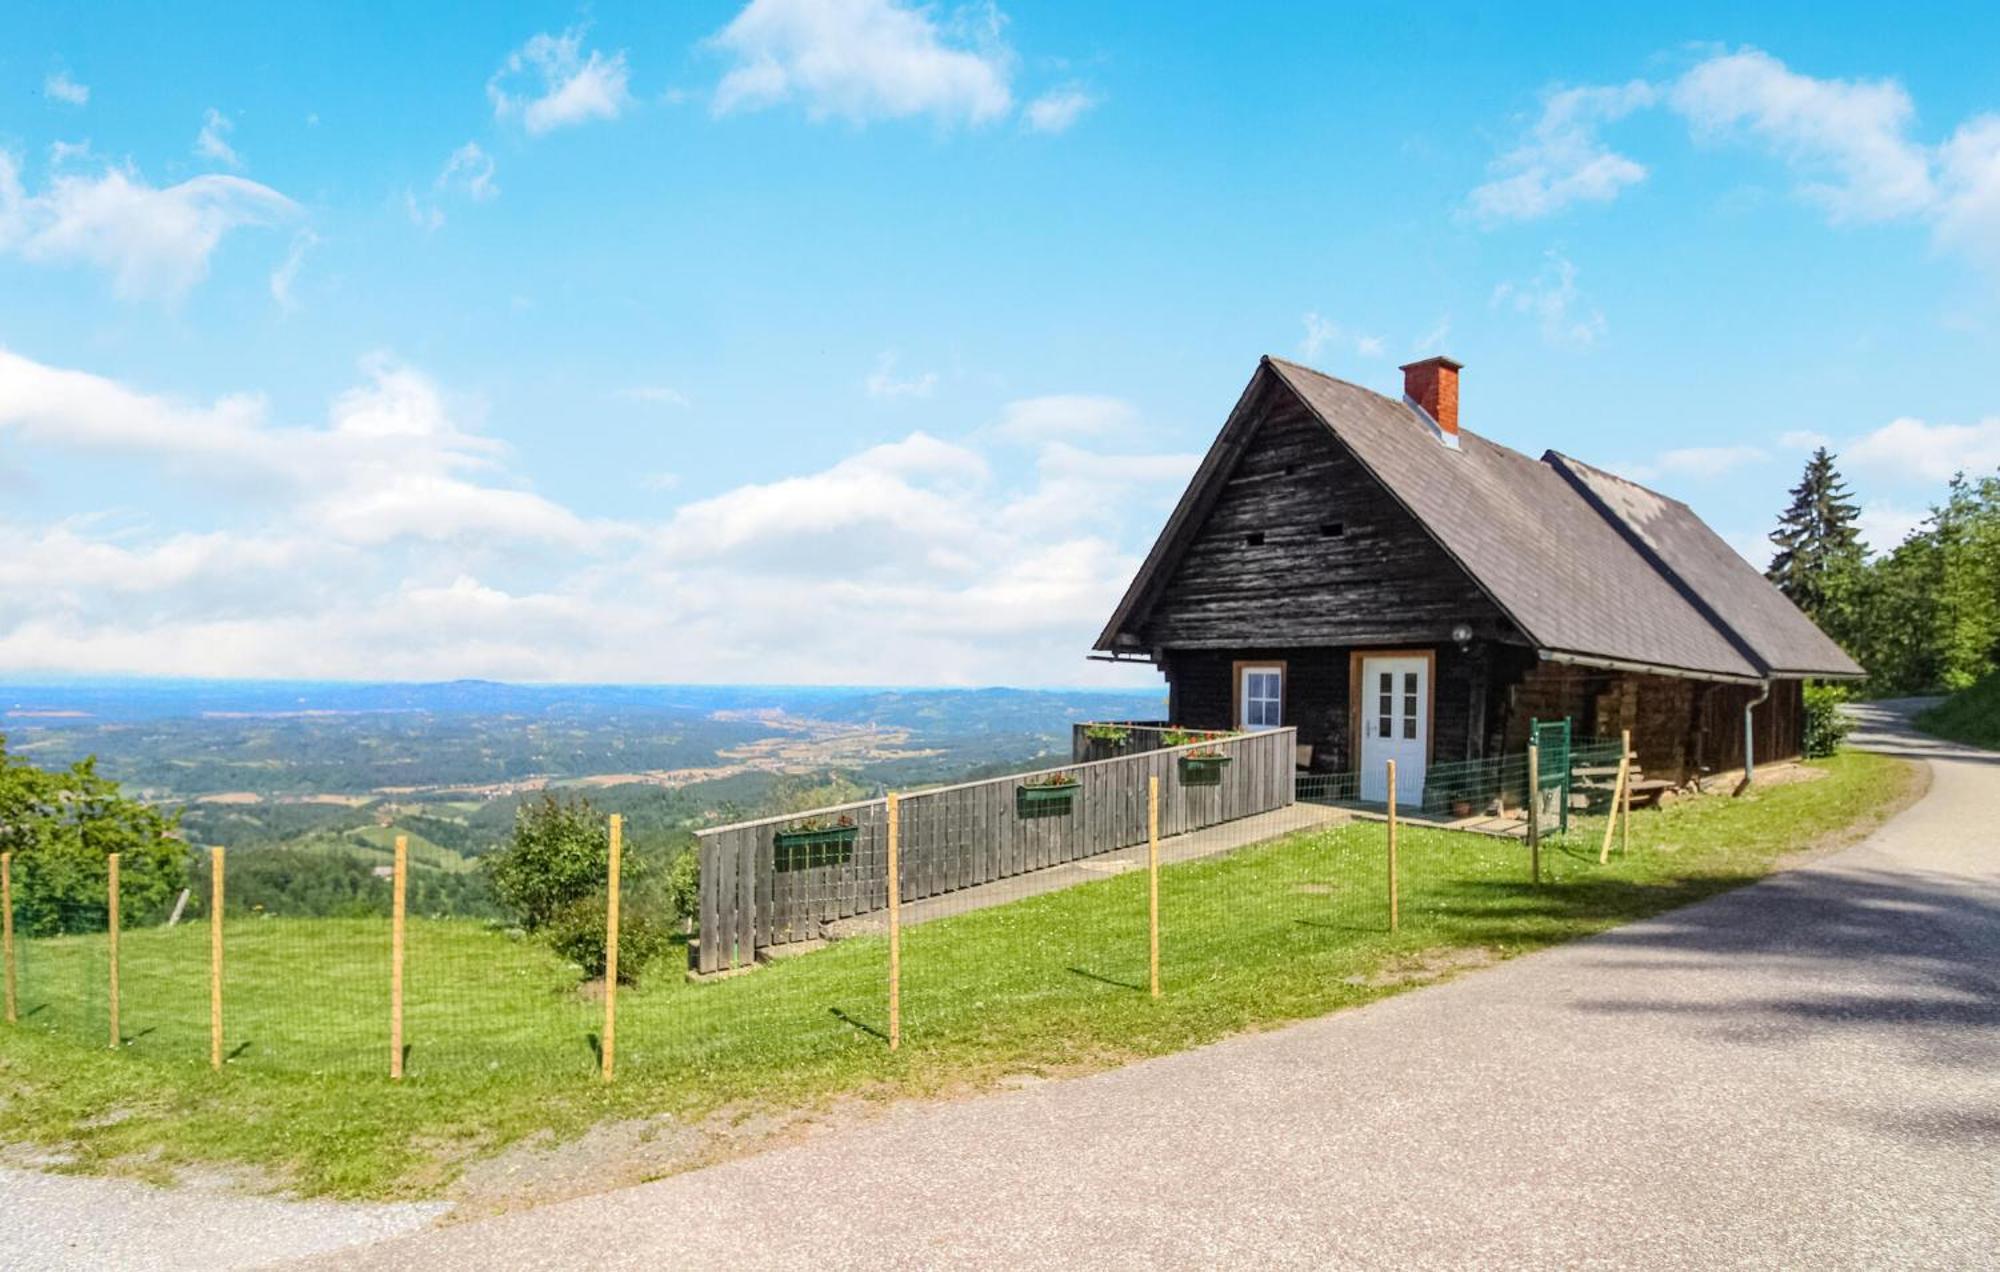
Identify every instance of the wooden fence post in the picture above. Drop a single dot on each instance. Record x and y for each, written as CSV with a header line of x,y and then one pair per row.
x,y
1395,917
396,917
7,931
1618,797
895,931
1153,879
216,863
1534,813
1625,815
113,924
611,946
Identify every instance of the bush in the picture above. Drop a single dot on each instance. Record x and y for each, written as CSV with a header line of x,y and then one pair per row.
x,y
1825,726
554,877
62,825
683,887
560,855
576,933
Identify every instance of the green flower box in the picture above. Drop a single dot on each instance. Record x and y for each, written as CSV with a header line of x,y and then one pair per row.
x,y
1202,770
1047,800
812,849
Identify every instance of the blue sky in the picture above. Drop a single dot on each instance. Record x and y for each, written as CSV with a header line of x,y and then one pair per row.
x,y
843,341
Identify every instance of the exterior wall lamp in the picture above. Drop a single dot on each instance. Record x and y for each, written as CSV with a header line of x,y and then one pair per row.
x,y
1461,635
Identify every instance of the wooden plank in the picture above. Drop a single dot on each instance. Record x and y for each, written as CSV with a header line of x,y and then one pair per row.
x,y
1153,882
398,910
216,860
115,923
708,924
895,931
7,935
730,900
1395,916
613,883
749,849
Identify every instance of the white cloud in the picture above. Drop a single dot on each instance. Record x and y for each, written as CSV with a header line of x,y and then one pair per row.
x,y
1968,212
392,540
155,242
1066,416
1562,160
863,60
1323,334
1709,461
1803,439
390,462
467,173
1930,453
1433,341
1884,525
1847,138
1849,143
212,142
565,86
657,394
469,169
425,216
882,381
1055,111
287,273
1558,306
59,87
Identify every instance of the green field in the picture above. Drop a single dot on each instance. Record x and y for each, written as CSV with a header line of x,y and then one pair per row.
x,y
502,1037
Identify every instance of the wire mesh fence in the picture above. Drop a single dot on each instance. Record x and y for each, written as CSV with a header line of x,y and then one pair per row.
x,y
1208,875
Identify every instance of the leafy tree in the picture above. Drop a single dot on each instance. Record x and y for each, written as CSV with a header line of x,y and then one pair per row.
x,y
560,854
61,825
555,877
1819,548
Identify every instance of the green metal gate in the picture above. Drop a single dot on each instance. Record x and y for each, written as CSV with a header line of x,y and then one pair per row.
x,y
1551,739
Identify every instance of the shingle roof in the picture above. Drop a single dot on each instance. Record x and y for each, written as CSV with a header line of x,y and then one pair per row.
x,y
1584,563
1743,601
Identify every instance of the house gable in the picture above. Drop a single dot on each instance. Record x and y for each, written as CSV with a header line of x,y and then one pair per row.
x,y
1291,538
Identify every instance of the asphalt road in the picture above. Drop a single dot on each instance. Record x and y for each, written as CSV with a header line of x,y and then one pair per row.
x,y
1801,1073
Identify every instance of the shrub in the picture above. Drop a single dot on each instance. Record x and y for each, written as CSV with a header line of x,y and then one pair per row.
x,y
62,825
576,933
683,886
560,854
1825,726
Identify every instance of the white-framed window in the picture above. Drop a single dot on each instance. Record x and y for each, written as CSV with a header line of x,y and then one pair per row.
x,y
1263,697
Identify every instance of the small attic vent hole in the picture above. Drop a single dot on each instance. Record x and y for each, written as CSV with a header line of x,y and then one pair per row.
x,y
1254,539
1331,529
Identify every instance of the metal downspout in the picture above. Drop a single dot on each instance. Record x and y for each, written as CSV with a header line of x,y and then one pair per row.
x,y
1750,736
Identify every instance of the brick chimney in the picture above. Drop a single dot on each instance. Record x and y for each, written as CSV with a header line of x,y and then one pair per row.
x,y
1433,385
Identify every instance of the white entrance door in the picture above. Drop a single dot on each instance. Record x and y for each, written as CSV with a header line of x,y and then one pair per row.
x,y
1395,725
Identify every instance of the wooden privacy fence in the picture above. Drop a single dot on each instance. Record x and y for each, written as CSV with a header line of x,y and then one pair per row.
x,y
958,837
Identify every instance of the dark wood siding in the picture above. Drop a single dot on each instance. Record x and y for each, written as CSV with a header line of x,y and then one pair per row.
x,y
1317,689
1681,729
1302,546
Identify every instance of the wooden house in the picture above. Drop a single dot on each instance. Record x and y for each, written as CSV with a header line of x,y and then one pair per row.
x,y
1360,567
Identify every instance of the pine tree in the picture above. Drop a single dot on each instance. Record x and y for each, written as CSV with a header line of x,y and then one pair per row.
x,y
1819,549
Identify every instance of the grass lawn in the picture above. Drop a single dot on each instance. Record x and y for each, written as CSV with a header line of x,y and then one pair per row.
x,y
502,1036
1972,715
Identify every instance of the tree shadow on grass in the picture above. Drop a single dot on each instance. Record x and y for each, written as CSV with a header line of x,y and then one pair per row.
x,y
1854,950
